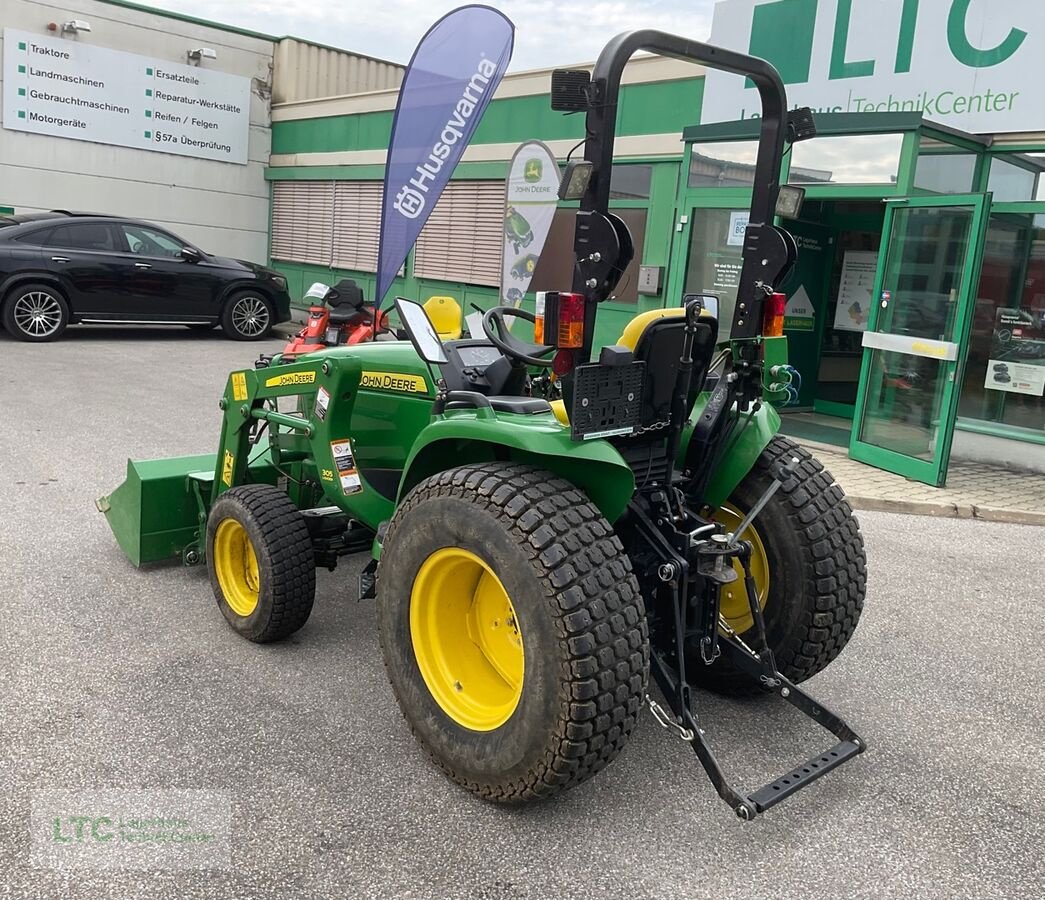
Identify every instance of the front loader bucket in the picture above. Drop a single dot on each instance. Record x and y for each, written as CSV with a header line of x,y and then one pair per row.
x,y
155,513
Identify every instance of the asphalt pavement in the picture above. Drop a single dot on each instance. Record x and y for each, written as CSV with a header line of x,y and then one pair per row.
x,y
114,678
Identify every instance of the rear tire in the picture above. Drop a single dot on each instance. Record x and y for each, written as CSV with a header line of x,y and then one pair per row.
x,y
817,569
35,313
261,564
247,316
574,604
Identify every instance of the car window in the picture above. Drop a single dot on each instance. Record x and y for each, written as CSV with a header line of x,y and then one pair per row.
x,y
38,237
84,236
147,242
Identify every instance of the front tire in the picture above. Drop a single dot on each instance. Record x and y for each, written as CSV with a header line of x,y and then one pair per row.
x,y
247,316
261,564
512,629
35,313
809,566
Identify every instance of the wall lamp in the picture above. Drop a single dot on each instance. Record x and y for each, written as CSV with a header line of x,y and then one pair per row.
x,y
198,53
73,26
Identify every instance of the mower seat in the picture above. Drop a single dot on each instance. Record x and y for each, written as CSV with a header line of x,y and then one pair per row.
x,y
445,314
346,301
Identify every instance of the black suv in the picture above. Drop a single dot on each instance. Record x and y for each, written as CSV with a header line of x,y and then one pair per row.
x,y
60,268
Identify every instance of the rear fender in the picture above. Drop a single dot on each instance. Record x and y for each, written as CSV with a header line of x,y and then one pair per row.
x,y
463,436
738,456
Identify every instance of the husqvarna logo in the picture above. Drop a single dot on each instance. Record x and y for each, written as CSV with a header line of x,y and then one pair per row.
x,y
412,197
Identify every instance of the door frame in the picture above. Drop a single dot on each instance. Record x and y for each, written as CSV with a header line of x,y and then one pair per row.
x,y
932,472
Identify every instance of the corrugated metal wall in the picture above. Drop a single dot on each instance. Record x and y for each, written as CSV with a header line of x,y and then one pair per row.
x,y
307,72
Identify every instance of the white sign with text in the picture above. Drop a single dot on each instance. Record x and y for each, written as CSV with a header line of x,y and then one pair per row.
x,y
74,90
970,64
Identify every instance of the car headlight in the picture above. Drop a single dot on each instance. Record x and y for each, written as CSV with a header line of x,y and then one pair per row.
x,y
280,282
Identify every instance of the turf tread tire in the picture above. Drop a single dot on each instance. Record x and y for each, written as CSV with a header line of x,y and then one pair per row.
x,y
589,592
286,561
827,590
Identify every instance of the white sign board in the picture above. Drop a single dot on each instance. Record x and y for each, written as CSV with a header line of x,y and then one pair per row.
x,y
69,89
1016,378
854,291
970,64
738,220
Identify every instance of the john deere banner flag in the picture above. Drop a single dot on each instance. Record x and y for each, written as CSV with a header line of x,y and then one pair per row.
x,y
532,195
448,84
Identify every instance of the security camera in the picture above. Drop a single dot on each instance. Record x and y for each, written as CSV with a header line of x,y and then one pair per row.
x,y
75,26
199,53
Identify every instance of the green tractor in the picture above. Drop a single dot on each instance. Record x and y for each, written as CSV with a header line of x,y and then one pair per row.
x,y
547,523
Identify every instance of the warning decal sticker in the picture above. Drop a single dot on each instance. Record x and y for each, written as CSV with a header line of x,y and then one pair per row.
x,y
239,386
322,402
346,466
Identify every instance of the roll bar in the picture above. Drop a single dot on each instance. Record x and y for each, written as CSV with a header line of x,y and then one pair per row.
x,y
768,251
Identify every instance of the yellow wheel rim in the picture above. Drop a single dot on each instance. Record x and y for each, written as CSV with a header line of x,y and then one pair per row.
x,y
734,606
466,639
236,567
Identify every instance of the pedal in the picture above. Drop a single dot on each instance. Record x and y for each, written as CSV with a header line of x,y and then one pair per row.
x,y
798,778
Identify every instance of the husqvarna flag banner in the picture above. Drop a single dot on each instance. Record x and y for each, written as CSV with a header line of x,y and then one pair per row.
x,y
448,84
532,195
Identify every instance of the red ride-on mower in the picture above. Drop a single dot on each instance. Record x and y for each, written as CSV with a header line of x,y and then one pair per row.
x,y
339,316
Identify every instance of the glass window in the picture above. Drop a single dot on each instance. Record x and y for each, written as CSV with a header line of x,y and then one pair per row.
x,y
39,237
1017,178
96,236
554,271
724,164
1005,368
630,182
716,258
852,159
149,242
944,169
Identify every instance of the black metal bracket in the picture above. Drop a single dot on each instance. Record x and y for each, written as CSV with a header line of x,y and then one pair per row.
x,y
757,662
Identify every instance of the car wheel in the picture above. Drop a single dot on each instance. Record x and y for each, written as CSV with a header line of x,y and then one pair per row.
x,y
35,312
247,317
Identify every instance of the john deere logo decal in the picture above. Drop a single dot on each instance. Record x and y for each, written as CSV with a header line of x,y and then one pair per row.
x,y
533,171
394,381
291,378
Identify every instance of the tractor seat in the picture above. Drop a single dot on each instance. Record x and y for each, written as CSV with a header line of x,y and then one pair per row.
x,y
445,315
655,337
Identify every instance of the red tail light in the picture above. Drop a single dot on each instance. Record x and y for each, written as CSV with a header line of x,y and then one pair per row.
x,y
773,315
570,333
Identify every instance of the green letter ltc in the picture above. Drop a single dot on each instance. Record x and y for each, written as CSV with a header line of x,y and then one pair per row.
x,y
965,52
796,18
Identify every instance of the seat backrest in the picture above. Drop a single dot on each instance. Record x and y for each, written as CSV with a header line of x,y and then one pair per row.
x,y
656,338
348,294
445,314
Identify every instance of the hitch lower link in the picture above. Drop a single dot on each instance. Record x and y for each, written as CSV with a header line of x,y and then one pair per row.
x,y
714,556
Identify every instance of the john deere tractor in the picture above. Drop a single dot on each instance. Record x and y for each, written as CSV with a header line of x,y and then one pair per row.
x,y
546,523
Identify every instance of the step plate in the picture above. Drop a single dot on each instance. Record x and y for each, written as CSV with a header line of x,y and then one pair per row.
x,y
801,776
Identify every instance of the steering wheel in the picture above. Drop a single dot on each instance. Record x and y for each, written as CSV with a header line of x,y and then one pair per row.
x,y
496,330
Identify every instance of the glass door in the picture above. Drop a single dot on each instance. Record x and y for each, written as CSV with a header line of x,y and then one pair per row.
x,y
906,404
